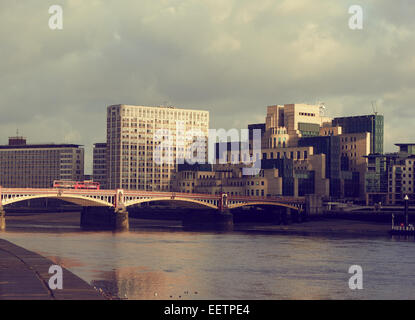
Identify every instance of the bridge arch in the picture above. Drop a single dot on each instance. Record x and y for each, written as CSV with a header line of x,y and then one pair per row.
x,y
259,203
178,199
72,198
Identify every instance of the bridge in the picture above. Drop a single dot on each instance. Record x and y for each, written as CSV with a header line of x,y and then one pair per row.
x,y
125,198
119,200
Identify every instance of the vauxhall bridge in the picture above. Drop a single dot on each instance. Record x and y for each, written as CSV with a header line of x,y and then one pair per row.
x,y
109,207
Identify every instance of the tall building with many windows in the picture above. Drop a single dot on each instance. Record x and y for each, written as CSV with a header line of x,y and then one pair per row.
x,y
38,165
131,144
391,176
99,165
286,124
368,123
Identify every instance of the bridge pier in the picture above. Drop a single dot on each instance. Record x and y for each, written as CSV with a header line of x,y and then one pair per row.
x,y
285,216
2,218
104,218
276,215
295,216
314,204
208,220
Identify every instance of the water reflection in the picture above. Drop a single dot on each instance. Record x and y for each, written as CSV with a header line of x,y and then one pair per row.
x,y
196,265
133,283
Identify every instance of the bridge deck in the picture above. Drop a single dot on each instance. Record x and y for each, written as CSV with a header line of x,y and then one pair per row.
x,y
119,197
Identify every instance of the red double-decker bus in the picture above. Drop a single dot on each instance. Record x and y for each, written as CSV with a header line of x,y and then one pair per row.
x,y
67,184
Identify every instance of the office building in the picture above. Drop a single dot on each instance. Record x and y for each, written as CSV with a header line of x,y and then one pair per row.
x,y
99,166
330,146
131,144
211,179
368,123
321,156
401,177
354,147
376,179
25,165
390,177
286,124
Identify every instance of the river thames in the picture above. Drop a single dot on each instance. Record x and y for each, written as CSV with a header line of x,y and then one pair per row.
x,y
174,264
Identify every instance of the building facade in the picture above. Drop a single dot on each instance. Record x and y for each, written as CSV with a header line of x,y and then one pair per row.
x,y
302,152
286,124
368,123
217,179
354,147
330,146
131,144
390,177
99,166
322,156
38,165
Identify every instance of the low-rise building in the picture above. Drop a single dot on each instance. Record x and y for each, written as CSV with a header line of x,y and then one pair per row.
x,y
25,165
276,177
390,177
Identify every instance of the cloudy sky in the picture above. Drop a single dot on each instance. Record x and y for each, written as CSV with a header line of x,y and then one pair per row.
x,y
231,57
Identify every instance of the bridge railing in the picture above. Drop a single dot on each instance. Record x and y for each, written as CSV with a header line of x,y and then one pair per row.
x,y
125,196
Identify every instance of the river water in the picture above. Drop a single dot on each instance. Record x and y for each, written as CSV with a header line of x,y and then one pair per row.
x,y
164,264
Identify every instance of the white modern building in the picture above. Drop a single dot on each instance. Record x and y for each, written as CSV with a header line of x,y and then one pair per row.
x,y
132,140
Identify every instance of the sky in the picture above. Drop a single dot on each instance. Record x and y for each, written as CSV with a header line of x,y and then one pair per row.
x,y
231,57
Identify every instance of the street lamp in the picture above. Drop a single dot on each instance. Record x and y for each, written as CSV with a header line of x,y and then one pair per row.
x,y
406,201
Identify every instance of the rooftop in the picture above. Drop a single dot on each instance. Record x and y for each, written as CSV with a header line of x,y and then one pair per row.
x,y
404,144
41,146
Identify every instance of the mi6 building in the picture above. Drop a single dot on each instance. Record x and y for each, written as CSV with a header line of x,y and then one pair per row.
x,y
302,152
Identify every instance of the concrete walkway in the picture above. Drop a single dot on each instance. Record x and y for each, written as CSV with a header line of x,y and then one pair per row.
x,y
24,276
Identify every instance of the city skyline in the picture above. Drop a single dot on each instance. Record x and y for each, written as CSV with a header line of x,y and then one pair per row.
x,y
237,58
89,150
207,155
297,151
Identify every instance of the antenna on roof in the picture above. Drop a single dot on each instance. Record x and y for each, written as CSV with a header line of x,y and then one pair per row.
x,y
322,108
374,108
167,104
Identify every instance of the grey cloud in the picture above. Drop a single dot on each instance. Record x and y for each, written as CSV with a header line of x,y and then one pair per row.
x,y
232,57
